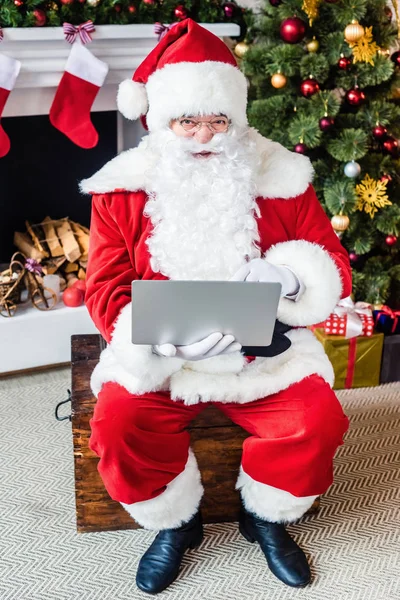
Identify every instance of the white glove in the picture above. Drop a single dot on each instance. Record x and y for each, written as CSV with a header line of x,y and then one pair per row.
x,y
214,344
259,269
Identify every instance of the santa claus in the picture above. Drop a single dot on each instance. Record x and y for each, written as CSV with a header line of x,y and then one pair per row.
x,y
206,197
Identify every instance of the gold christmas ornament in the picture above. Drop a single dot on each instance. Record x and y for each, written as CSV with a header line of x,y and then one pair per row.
x,y
311,7
365,48
278,80
384,51
340,222
53,6
93,3
353,32
371,195
313,46
240,49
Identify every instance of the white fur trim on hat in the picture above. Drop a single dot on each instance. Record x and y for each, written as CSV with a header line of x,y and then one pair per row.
x,y
189,88
132,99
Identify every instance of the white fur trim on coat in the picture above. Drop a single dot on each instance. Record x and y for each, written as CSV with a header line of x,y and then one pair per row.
x,y
281,173
190,88
176,505
270,503
221,379
319,275
134,366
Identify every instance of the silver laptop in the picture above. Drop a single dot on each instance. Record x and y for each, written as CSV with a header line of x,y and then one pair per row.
x,y
184,312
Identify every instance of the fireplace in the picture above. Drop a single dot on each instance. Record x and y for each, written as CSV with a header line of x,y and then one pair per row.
x,y
40,174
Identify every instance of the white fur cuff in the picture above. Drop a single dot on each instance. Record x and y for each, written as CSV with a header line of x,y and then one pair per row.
x,y
270,503
150,370
176,505
319,275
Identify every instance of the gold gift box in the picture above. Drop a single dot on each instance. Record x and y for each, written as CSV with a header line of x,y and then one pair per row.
x,y
367,364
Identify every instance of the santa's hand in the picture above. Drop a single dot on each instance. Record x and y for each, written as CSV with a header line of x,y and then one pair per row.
x,y
259,269
214,344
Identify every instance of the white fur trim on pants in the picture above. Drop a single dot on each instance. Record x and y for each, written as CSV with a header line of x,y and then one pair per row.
x,y
176,505
270,503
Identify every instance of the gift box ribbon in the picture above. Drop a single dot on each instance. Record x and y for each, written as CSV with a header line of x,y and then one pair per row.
x,y
393,314
354,324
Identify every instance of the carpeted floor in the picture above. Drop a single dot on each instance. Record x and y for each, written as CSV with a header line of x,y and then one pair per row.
x,y
353,543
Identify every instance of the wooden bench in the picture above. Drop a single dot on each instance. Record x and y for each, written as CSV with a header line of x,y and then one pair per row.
x,y
216,441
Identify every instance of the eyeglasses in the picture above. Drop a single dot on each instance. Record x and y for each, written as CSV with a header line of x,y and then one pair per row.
x,y
217,125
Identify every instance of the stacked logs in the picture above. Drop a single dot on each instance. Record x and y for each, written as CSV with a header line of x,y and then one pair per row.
x,y
60,246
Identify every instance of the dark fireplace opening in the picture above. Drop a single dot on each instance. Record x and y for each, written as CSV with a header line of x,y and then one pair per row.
x,y
39,176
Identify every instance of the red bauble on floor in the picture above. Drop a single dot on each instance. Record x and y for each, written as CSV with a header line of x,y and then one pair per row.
x,y
73,297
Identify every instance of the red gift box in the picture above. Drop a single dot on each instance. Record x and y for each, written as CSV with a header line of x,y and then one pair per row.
x,y
335,325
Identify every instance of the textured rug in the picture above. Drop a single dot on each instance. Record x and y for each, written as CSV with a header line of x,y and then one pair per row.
x,y
353,543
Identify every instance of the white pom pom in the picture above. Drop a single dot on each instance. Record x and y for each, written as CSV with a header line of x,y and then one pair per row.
x,y
132,99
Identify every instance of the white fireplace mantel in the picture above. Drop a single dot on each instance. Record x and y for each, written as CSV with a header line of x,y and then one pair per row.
x,y
43,52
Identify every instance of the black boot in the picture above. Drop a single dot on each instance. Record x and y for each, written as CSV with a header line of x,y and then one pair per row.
x,y
285,558
159,565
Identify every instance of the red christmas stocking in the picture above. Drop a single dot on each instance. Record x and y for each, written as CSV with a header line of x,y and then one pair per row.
x,y
9,70
70,112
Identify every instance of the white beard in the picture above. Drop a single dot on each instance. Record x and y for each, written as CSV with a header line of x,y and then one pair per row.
x,y
202,210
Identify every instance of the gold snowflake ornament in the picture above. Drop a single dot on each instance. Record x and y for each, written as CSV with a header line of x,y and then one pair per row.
x,y
365,48
371,195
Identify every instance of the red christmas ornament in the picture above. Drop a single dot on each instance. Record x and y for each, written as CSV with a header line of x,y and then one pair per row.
x,y
180,12
80,284
132,9
40,17
275,2
229,9
309,87
292,30
396,58
353,256
18,3
300,148
344,63
355,97
326,123
73,297
66,2
149,2
117,8
379,132
390,145
386,178
391,240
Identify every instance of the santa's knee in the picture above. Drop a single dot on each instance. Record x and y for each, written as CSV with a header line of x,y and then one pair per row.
x,y
324,421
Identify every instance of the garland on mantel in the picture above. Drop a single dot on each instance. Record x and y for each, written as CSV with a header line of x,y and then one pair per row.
x,y
53,13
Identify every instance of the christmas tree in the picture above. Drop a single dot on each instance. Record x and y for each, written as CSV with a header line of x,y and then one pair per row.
x,y
52,13
324,81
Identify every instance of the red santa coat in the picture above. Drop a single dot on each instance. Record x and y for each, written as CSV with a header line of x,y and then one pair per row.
x,y
293,230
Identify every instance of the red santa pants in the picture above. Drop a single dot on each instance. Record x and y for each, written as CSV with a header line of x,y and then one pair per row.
x,y
143,445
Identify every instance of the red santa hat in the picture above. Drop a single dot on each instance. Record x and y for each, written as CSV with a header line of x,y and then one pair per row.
x,y
190,72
